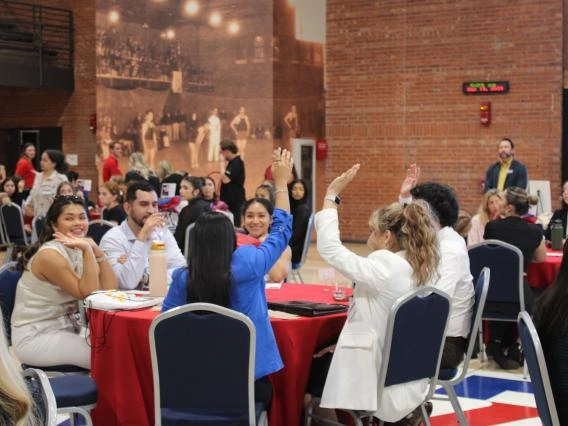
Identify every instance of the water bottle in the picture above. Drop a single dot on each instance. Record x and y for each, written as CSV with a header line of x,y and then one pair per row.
x,y
556,235
158,269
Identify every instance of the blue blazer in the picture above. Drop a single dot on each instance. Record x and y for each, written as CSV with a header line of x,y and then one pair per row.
x,y
516,176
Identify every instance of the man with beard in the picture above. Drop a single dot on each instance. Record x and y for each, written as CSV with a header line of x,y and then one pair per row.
x,y
127,246
507,171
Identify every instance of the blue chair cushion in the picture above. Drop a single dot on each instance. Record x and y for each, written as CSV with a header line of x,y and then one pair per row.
x,y
447,373
173,417
74,391
59,368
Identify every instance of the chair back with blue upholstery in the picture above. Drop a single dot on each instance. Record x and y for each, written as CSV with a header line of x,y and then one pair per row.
x,y
37,227
506,264
186,239
203,359
416,331
13,221
536,362
42,394
9,277
98,228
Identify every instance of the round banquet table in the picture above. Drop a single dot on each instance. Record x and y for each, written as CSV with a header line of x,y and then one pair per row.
x,y
122,368
542,275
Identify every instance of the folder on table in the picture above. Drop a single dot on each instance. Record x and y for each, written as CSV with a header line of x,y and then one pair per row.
x,y
308,309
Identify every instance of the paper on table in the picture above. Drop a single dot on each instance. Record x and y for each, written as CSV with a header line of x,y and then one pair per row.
x,y
273,286
553,254
281,315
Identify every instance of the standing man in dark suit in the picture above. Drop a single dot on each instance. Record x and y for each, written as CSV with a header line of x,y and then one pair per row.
x,y
507,171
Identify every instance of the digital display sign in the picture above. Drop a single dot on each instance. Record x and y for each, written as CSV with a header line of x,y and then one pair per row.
x,y
485,87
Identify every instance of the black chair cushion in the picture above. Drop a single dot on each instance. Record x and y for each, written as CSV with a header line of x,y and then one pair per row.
x,y
74,391
447,373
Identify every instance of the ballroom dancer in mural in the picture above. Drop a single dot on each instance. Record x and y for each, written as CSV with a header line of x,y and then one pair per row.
x,y
241,127
149,138
291,125
195,144
214,136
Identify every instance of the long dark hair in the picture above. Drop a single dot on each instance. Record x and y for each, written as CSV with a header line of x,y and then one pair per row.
x,y
56,209
550,313
212,242
215,197
294,204
58,158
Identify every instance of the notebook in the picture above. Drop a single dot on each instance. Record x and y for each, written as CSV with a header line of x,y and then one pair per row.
x,y
308,309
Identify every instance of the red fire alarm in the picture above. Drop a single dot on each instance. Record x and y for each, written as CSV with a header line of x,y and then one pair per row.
x,y
485,113
321,149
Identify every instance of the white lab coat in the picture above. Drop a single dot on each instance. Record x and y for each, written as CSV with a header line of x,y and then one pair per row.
x,y
381,278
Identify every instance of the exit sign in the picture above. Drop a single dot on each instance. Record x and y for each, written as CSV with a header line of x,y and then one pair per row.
x,y
485,87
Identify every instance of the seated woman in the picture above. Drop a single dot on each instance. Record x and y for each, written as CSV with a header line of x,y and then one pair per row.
x,y
111,197
301,212
234,277
489,209
527,237
209,194
265,191
551,321
60,269
405,256
190,190
10,192
257,219
560,215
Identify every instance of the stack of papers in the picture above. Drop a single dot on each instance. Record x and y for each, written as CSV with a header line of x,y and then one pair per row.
x,y
112,300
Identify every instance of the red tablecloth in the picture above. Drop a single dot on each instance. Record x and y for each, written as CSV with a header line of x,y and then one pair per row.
x,y
122,368
541,275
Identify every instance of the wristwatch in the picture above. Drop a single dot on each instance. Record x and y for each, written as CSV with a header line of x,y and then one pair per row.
x,y
333,199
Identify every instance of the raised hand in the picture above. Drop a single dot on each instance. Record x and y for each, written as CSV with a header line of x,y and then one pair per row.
x,y
340,182
281,166
410,180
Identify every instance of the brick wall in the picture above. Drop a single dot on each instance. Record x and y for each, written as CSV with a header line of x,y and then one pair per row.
x,y
394,75
29,108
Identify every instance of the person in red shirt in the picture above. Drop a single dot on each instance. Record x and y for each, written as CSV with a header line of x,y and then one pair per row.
x,y
25,168
110,166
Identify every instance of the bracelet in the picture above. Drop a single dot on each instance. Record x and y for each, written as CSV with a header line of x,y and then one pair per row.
x,y
101,258
280,190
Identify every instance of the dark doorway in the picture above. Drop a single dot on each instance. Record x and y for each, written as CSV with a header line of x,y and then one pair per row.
x,y
12,140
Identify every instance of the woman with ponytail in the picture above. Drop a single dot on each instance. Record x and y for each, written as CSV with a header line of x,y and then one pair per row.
x,y
405,256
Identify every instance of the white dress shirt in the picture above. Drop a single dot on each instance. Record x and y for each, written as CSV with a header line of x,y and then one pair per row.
x,y
120,240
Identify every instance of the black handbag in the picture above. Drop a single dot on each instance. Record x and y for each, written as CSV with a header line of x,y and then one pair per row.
x,y
308,309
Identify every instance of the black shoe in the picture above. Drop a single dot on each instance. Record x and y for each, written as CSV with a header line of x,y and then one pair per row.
x,y
505,363
514,353
493,348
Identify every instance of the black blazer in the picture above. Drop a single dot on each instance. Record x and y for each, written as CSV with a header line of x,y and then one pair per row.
x,y
517,176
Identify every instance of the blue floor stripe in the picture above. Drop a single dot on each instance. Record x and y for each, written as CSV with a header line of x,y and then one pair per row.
x,y
481,387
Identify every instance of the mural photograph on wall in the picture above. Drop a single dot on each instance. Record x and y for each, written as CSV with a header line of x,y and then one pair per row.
x,y
176,77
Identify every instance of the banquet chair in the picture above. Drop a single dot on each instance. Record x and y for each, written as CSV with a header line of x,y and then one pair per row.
x,y
536,363
37,227
295,271
194,378
186,237
42,395
506,284
98,228
75,395
9,277
416,331
448,378
13,221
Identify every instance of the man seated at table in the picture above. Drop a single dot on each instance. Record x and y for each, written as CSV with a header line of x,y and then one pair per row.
x,y
127,245
454,276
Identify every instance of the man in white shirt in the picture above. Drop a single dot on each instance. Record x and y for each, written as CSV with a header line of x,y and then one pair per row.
x,y
127,245
455,277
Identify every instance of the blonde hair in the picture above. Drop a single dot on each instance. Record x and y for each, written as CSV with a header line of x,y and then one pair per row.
x,y
15,398
519,199
137,164
415,230
463,224
164,169
483,211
